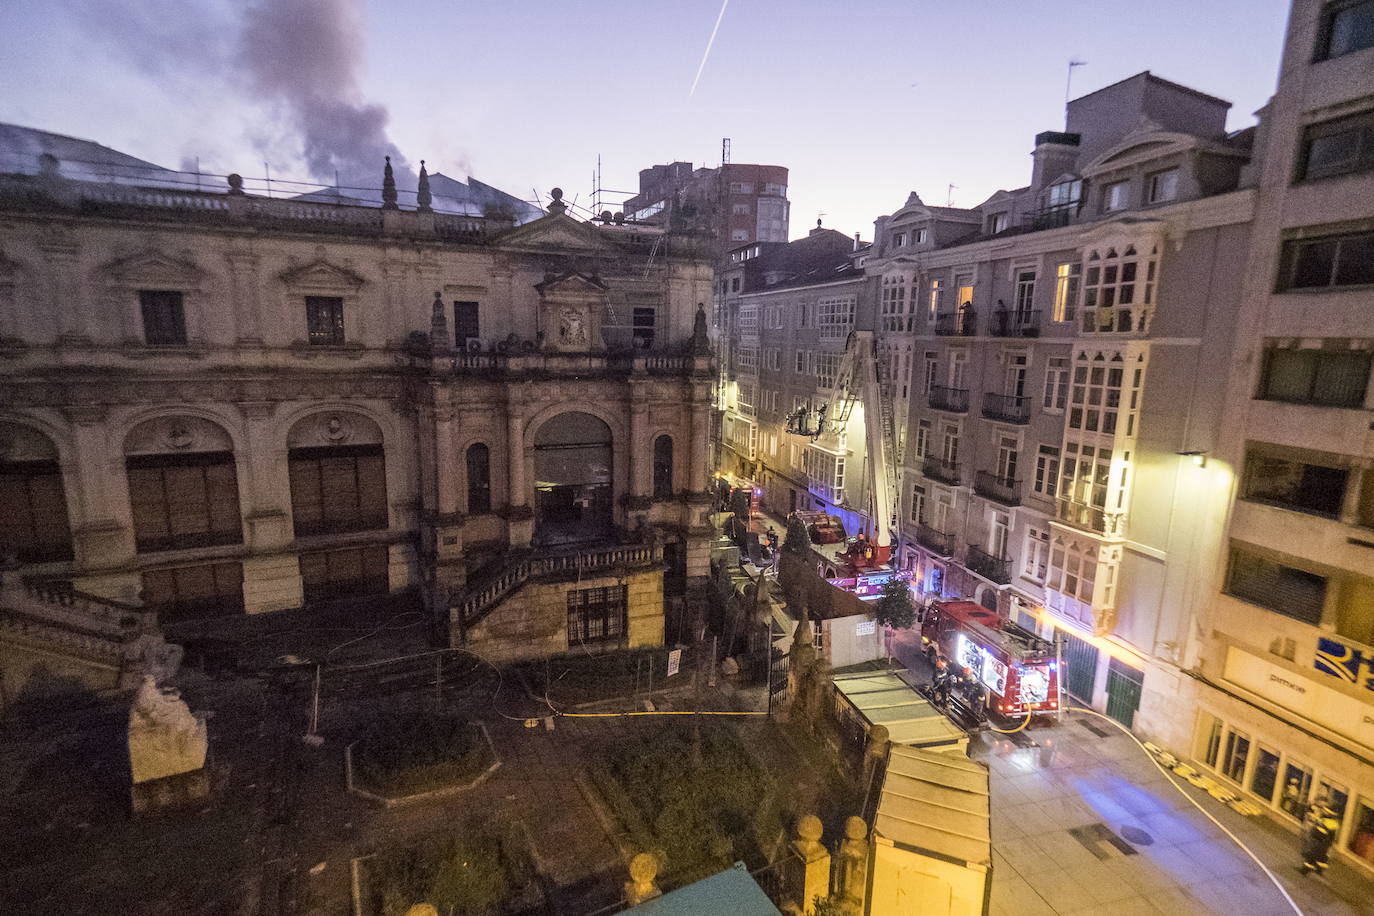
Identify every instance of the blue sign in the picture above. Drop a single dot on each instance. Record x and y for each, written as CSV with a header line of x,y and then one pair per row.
x,y
1339,660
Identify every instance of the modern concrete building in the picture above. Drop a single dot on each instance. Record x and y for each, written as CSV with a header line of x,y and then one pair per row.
x,y
738,202
1284,675
233,405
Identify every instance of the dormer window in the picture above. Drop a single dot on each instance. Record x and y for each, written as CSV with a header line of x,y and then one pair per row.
x,y
898,239
1115,196
1164,186
920,236
997,222
1065,193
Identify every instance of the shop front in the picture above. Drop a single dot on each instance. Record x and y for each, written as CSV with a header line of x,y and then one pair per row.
x,y
1290,742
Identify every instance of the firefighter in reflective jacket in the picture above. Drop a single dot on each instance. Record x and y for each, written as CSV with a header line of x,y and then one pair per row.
x,y
942,681
1317,839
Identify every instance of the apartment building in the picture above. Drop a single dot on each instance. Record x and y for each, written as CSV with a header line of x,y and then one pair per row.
x,y
784,312
223,404
1057,348
739,202
1285,649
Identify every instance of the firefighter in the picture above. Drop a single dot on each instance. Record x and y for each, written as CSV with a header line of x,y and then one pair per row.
x,y
942,682
1322,825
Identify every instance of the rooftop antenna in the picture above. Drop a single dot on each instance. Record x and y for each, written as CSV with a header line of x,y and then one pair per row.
x,y
724,150
1068,83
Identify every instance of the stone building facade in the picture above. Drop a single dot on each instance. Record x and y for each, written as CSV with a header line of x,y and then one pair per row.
x,y
1284,686
232,405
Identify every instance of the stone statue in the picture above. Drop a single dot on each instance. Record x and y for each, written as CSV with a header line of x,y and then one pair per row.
x,y
701,341
165,739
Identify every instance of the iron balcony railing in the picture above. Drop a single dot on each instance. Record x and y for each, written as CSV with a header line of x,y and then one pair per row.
x,y
1110,524
954,400
1007,323
996,569
1005,490
938,468
961,324
935,540
1009,408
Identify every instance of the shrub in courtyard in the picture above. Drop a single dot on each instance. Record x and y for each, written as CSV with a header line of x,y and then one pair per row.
x,y
473,873
703,816
415,751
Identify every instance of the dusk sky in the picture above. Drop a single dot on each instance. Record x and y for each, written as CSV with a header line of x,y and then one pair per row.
x,y
863,101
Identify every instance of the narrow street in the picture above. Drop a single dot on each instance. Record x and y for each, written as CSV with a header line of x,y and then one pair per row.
x,y
1083,821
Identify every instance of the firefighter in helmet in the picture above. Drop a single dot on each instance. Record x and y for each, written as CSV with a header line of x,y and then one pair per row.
x,y
943,680
1317,838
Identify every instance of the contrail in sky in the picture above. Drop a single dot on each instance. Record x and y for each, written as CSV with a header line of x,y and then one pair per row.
x,y
707,53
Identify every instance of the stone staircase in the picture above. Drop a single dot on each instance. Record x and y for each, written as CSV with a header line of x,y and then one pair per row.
x,y
50,631
481,597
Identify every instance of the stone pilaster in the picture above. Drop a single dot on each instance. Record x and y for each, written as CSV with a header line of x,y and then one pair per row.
x,y
520,517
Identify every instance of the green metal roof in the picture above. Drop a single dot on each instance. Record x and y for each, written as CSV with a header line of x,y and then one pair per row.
x,y
732,892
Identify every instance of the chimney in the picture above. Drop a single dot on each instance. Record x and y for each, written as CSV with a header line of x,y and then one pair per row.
x,y
857,244
1055,153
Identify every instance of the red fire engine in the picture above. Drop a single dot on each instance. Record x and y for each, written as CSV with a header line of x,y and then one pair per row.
x,y
1017,671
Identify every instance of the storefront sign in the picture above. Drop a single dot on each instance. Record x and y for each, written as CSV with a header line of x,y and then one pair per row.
x,y
1341,660
1345,715
865,628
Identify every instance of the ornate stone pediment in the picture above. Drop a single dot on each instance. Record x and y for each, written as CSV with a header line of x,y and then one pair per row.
x,y
153,268
321,274
556,232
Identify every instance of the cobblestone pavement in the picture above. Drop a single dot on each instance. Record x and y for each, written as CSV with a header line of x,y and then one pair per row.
x,y
1084,822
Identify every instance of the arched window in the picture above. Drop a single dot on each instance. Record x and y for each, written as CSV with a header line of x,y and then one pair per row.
x,y
337,468
183,485
36,528
663,467
572,473
479,479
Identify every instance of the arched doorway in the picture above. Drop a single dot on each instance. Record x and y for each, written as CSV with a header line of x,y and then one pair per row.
x,y
988,598
572,479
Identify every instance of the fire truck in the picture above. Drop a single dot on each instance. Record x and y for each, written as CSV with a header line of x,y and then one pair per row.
x,y
996,667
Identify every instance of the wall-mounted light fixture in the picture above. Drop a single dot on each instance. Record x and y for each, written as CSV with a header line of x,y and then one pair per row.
x,y
1199,457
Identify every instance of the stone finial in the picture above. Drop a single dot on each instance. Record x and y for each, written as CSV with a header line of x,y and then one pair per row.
x,y
556,205
236,184
641,886
855,829
809,832
878,740
423,198
422,909
701,340
389,187
438,325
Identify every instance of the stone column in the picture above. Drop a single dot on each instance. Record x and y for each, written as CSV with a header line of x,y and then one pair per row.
x,y
519,517
271,573
102,526
641,449
701,436
851,872
809,867
449,571
64,299
243,290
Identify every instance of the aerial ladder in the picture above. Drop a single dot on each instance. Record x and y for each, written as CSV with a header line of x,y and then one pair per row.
x,y
859,379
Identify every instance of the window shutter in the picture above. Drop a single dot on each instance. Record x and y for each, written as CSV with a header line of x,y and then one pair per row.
x,y
187,509
149,504
372,491
306,502
339,482
49,525
222,496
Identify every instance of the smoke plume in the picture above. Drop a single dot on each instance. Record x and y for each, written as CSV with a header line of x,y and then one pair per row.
x,y
298,58
302,55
